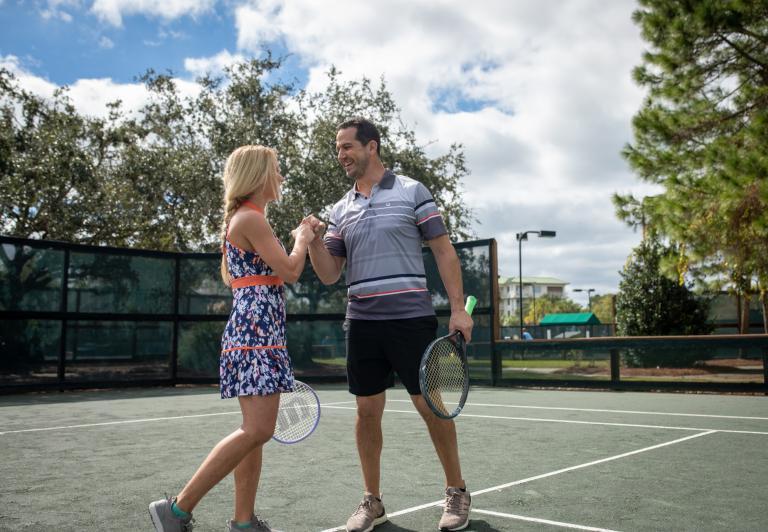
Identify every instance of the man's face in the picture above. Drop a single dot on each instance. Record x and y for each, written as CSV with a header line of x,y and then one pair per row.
x,y
352,155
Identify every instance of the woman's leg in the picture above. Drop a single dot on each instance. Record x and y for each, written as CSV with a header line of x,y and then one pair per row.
x,y
259,416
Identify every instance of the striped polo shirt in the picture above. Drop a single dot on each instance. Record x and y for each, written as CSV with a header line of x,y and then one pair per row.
x,y
381,239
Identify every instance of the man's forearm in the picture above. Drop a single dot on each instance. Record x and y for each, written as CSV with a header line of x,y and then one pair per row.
x,y
449,266
323,262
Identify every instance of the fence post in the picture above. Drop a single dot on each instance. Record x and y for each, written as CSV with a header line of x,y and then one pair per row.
x,y
175,341
765,369
61,370
615,372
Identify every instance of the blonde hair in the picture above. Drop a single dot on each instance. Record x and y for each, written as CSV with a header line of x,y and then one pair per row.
x,y
249,170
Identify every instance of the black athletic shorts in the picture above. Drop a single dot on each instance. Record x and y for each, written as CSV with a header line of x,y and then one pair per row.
x,y
377,349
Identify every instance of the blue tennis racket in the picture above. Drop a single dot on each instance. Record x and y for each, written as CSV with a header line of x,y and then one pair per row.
x,y
298,414
444,372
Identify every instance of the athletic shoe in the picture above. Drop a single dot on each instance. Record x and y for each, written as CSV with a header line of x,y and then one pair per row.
x,y
369,513
257,525
456,511
165,520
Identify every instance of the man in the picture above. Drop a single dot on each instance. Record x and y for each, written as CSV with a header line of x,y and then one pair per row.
x,y
377,229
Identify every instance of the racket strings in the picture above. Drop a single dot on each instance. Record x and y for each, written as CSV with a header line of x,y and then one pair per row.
x,y
298,414
444,377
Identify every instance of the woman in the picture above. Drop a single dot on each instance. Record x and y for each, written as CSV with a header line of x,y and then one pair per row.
x,y
254,364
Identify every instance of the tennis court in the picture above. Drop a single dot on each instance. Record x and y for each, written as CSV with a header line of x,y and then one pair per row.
x,y
534,460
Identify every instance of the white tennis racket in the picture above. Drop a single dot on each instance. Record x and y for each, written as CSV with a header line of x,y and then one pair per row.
x,y
298,414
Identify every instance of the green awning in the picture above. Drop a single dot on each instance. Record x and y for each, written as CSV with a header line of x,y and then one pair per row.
x,y
570,318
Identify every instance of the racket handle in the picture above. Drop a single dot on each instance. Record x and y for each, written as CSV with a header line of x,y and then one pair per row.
x,y
470,305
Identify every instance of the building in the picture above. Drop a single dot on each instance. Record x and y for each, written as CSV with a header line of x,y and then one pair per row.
x,y
533,287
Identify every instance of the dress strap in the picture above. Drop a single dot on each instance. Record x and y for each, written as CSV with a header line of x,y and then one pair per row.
x,y
252,205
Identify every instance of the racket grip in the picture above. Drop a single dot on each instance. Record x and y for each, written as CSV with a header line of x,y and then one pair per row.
x,y
470,305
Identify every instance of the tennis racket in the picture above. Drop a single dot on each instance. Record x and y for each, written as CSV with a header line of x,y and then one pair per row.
x,y
444,372
298,414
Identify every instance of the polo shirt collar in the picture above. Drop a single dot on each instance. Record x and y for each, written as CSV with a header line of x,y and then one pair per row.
x,y
386,182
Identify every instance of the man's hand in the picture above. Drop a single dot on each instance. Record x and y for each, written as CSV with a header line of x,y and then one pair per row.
x,y
318,226
461,321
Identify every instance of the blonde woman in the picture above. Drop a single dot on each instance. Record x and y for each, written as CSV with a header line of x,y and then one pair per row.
x,y
254,365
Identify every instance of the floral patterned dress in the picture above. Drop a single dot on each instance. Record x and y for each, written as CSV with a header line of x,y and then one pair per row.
x,y
254,357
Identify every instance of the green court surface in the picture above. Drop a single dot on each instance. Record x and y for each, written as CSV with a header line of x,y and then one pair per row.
x,y
534,460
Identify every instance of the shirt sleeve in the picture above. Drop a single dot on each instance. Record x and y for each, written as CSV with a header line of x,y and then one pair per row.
x,y
428,218
333,240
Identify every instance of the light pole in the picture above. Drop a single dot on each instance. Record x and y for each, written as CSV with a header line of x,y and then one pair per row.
x,y
520,237
589,295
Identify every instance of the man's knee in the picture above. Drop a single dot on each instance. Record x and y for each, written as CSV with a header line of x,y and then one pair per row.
x,y
371,407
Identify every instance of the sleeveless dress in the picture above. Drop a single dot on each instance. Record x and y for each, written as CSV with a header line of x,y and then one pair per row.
x,y
254,358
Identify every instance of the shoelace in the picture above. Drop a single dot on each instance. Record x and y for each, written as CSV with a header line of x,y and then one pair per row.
x,y
259,523
454,502
367,503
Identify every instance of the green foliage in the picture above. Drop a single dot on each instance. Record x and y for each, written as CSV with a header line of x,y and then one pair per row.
x,y
602,307
702,135
651,304
549,304
153,180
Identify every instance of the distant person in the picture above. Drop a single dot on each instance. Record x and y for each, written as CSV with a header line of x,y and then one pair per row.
x,y
527,335
254,363
377,230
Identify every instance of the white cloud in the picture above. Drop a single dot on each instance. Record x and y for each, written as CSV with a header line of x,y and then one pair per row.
x,y
113,11
106,42
54,9
254,28
199,66
551,100
91,96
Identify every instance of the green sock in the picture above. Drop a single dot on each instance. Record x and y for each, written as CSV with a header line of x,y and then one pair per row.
x,y
178,512
243,525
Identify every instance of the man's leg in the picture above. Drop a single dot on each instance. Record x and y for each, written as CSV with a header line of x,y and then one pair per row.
x,y
443,434
370,439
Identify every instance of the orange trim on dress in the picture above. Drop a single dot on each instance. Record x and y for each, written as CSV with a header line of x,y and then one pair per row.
x,y
256,280
252,348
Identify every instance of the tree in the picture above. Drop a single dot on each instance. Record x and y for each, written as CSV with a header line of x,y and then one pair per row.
x,y
651,304
702,135
154,181
602,307
550,304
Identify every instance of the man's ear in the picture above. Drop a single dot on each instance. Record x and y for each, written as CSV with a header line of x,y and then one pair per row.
x,y
372,145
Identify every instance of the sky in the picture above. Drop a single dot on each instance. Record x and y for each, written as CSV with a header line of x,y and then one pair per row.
x,y
538,92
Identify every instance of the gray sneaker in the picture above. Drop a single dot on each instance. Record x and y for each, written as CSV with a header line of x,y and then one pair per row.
x,y
165,520
257,525
369,513
456,511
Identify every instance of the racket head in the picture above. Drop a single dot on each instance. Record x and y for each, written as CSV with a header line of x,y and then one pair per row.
x,y
444,375
298,414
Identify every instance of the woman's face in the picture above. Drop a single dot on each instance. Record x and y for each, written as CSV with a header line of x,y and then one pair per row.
x,y
273,192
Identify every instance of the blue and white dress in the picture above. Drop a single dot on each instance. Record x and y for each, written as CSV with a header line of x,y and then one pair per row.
x,y
254,356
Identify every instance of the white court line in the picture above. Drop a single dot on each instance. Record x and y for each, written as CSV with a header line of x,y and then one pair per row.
x,y
543,521
599,410
545,475
577,422
145,420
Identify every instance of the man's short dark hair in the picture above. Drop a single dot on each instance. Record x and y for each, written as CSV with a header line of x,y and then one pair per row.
x,y
365,131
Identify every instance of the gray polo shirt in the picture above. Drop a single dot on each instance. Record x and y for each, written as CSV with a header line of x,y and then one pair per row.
x,y
381,238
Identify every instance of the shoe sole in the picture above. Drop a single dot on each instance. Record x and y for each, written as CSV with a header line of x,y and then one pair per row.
x,y
376,522
462,527
156,522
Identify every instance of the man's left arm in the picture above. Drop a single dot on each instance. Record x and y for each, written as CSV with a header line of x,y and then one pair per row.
x,y
450,272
